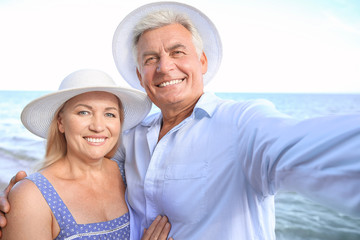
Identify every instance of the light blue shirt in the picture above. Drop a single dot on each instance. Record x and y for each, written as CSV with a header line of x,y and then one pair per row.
x,y
216,173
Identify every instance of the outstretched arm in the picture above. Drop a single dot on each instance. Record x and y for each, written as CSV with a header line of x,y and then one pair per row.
x,y
4,202
317,157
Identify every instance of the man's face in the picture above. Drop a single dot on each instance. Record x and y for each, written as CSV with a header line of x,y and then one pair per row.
x,y
169,68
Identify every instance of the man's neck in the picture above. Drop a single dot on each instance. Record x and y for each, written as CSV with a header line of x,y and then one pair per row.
x,y
172,116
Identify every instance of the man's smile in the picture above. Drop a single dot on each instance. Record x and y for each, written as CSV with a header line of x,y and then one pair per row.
x,y
172,82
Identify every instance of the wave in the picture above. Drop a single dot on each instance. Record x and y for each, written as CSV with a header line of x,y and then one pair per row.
x,y
19,156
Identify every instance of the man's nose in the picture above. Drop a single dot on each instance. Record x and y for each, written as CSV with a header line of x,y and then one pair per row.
x,y
165,64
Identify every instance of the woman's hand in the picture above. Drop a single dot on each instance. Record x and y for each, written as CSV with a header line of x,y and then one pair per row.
x,y
158,230
4,203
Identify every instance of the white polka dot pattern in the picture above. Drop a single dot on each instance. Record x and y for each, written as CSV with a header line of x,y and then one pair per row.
x,y
118,228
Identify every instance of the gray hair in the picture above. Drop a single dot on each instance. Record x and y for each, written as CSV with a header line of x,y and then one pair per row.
x,y
163,18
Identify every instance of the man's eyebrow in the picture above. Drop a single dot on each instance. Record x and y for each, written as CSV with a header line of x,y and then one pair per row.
x,y
176,46
169,49
149,53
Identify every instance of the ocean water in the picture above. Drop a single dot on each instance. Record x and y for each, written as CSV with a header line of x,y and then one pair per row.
x,y
297,218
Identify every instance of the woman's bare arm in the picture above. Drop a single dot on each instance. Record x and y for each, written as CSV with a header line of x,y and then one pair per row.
x,y
30,216
4,203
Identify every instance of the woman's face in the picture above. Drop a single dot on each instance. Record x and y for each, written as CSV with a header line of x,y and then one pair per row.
x,y
91,124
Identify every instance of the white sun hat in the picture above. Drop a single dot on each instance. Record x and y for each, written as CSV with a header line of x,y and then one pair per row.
x,y
122,40
38,114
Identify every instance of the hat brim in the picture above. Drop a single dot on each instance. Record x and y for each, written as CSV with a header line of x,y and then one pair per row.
x,y
122,40
38,114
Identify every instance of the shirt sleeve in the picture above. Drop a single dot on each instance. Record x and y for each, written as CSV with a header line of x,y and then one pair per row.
x,y
119,157
318,158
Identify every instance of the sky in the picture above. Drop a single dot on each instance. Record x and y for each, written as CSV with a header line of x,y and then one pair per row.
x,y
268,46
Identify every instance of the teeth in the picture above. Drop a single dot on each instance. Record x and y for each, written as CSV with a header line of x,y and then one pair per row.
x,y
172,82
95,140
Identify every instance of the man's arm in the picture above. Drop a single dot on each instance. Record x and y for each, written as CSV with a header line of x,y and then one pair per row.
x,y
4,203
317,157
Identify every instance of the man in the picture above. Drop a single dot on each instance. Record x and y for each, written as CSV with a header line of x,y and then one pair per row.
x,y
213,166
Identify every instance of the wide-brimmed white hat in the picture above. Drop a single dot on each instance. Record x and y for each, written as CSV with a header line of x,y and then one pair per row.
x,y
122,40
38,114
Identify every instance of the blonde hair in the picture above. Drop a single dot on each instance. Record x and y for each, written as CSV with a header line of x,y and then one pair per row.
x,y
56,145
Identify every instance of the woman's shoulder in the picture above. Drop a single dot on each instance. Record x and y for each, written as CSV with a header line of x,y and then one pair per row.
x,y
25,191
26,199
29,216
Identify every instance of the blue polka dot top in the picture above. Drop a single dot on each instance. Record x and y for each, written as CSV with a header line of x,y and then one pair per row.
x,y
118,228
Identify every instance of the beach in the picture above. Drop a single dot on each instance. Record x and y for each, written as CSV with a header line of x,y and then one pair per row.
x,y
10,166
297,218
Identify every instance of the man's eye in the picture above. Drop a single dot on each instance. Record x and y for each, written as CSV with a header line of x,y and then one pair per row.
x,y
177,53
151,60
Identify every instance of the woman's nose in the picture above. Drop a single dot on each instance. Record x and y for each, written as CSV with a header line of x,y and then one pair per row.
x,y
97,124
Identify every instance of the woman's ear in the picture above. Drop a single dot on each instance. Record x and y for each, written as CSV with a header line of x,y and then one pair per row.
x,y
60,123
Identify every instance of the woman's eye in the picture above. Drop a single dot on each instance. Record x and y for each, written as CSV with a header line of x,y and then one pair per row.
x,y
83,112
110,115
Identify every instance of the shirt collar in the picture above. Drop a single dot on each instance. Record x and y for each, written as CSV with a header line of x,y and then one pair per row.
x,y
205,107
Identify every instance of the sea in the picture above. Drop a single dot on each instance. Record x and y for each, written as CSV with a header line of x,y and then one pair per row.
x,y
297,218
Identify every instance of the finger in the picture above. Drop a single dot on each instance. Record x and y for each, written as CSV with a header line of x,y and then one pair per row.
x,y
159,228
19,176
2,223
145,236
4,204
165,232
2,220
148,232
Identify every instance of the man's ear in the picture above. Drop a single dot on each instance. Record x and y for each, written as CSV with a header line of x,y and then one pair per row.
x,y
204,62
139,76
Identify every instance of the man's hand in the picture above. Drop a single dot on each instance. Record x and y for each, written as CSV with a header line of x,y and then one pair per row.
x,y
158,230
4,204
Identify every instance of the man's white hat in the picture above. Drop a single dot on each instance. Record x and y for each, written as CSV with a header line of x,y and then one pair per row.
x,y
39,113
122,40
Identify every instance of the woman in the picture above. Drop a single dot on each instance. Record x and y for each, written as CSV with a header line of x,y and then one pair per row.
x,y
79,193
